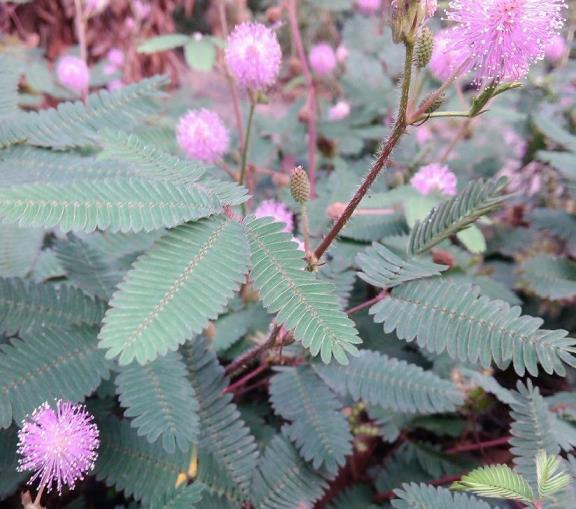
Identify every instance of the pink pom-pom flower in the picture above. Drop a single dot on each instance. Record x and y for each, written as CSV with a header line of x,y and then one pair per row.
x,y
502,38
555,49
322,59
253,56
339,111
58,444
431,6
73,73
369,6
446,59
434,177
202,135
116,57
280,212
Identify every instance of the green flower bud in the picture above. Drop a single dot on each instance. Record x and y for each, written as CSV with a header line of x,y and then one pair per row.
x,y
300,185
424,47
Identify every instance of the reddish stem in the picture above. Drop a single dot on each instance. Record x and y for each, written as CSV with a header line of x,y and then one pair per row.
x,y
292,8
481,445
246,378
382,295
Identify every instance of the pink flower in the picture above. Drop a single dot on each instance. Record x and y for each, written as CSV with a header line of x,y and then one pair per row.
x,y
423,134
502,38
555,49
434,177
339,111
95,6
342,54
202,135
445,59
109,69
277,210
73,73
431,7
322,59
300,243
253,56
368,6
141,9
116,57
58,444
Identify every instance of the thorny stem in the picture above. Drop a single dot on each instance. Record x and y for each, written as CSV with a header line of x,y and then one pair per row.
x,y
385,151
292,8
246,147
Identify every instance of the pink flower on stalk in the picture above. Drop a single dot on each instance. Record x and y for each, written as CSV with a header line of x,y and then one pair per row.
x,y
141,9
202,135
322,59
280,212
339,111
434,177
116,57
445,60
58,444
73,73
502,38
369,6
253,55
555,49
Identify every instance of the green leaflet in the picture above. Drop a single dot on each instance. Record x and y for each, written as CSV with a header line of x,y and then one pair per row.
x,y
420,496
550,277
443,316
19,248
126,205
160,401
48,364
306,306
390,383
319,429
174,289
9,78
185,497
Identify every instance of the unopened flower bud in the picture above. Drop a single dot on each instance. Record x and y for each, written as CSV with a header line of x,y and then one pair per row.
x,y
273,14
300,185
295,66
438,101
424,48
304,114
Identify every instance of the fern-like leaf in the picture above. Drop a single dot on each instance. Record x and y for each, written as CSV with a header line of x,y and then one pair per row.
x,y
46,365
9,78
134,465
319,429
74,124
550,277
391,383
452,216
551,476
126,205
223,434
421,496
283,480
382,268
160,401
185,497
27,306
443,316
172,292
306,306
496,481
19,249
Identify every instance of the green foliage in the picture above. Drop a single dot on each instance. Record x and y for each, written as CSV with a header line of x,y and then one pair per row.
x,y
134,465
160,401
420,496
47,364
496,481
283,480
126,205
382,268
551,476
306,306
186,497
443,316
9,77
172,292
223,434
455,214
391,383
550,277
19,249
319,429
26,306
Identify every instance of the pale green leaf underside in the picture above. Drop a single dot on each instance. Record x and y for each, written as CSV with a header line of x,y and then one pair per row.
x,y
421,496
550,277
443,316
391,383
185,497
160,401
306,306
173,290
19,249
126,205
48,364
551,476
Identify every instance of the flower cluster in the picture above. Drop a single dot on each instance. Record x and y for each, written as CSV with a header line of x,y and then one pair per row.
x,y
73,73
58,444
434,177
281,214
322,59
202,135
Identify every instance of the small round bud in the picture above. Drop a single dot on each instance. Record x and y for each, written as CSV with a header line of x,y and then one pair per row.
x,y
300,185
295,66
273,14
424,48
304,114
436,104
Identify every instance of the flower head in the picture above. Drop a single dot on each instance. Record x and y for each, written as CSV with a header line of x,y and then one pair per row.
x,y
555,49
73,73
339,111
202,135
95,6
141,9
502,38
58,444
322,59
368,6
253,55
277,210
446,59
116,57
434,177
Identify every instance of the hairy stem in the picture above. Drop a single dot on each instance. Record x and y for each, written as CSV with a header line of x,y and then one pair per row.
x,y
246,357
397,132
246,147
292,6
306,228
